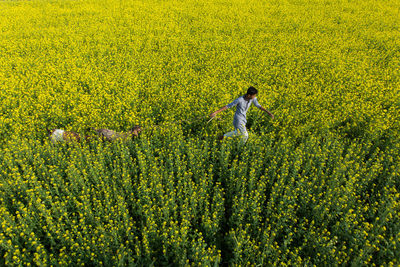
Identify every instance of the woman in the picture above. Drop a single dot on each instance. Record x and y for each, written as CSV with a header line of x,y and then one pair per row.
x,y
242,104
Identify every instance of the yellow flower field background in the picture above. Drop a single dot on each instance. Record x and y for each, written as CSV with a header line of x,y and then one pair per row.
x,y
317,185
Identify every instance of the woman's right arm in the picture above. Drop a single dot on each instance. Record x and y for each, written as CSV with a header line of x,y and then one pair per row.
x,y
218,111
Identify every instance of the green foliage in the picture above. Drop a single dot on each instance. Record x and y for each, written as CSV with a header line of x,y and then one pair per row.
x,y
318,185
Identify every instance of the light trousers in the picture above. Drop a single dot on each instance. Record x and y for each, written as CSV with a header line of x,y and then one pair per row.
x,y
239,131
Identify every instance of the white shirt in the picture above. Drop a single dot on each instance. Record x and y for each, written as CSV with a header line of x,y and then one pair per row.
x,y
57,136
241,109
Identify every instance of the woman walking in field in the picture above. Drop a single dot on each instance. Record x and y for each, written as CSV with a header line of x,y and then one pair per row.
x,y
242,104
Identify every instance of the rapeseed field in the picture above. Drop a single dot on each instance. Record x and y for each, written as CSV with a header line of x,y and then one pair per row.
x,y
318,185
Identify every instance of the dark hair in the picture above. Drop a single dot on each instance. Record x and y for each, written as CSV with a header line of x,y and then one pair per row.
x,y
252,91
136,127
